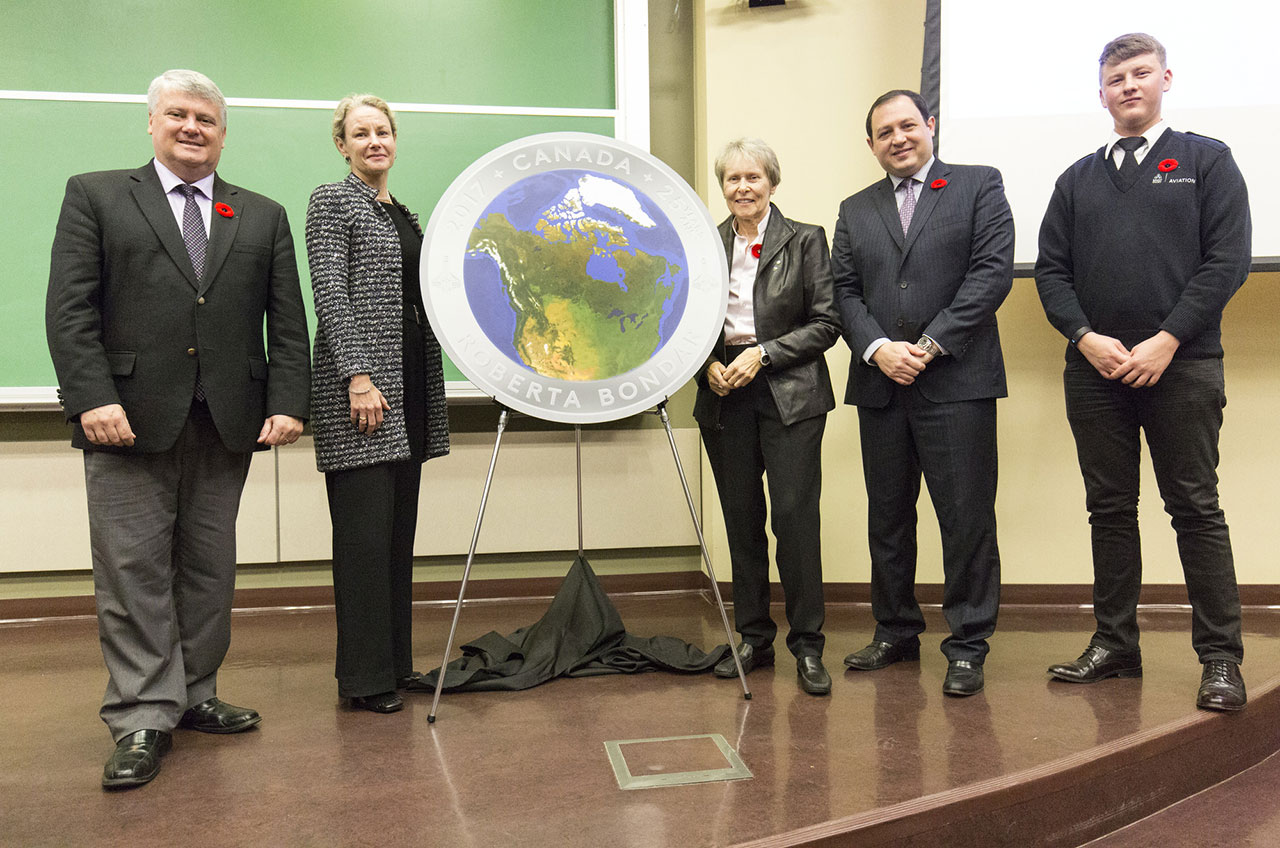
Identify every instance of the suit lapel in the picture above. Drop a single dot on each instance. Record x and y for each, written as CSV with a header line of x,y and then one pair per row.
x,y
149,195
726,236
928,201
887,206
222,229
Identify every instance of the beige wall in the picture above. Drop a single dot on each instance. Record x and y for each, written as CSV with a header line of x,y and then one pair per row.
x,y
801,76
632,499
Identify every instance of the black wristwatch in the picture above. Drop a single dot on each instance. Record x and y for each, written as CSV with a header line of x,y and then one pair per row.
x,y
1080,334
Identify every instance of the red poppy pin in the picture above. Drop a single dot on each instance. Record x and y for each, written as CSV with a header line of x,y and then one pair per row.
x,y
755,250
938,183
224,210
1167,165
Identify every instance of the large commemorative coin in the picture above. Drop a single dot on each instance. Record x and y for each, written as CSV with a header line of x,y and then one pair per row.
x,y
574,277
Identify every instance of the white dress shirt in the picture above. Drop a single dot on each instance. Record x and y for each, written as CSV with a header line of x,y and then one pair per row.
x,y
178,202
1151,136
740,318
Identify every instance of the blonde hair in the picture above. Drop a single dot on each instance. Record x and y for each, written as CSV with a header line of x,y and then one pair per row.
x,y
355,101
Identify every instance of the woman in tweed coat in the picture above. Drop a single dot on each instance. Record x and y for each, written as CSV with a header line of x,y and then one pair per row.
x,y
378,405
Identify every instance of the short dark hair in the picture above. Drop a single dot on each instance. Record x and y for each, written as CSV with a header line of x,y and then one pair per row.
x,y
1127,46
913,96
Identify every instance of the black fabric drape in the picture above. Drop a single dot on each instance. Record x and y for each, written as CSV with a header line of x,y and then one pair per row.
x,y
580,635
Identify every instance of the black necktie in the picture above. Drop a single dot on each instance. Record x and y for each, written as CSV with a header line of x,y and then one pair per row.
x,y
1129,165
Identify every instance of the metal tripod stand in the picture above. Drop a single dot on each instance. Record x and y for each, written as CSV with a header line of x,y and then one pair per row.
x,y
503,418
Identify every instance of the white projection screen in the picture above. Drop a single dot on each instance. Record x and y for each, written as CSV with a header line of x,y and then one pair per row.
x,y
1019,90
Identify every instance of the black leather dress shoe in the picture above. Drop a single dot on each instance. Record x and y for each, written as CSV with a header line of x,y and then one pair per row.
x,y
813,677
383,702
751,658
1098,663
963,678
214,716
882,654
136,759
1221,687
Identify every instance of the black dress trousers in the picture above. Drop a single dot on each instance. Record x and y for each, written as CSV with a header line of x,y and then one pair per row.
x,y
753,443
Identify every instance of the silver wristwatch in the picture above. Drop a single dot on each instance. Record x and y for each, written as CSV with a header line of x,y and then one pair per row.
x,y
764,356
928,345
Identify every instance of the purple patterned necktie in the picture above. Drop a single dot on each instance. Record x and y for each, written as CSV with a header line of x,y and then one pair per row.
x,y
908,207
196,240
193,234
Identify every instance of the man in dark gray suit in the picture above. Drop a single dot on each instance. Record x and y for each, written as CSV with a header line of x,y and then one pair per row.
x,y
922,259
159,283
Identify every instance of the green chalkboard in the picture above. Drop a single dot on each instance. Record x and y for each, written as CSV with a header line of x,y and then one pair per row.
x,y
552,60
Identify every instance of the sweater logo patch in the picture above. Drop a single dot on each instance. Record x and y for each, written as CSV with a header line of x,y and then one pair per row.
x,y
1161,178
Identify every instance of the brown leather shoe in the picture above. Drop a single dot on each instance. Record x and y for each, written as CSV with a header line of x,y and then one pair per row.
x,y
1221,687
751,658
214,716
136,759
1098,663
881,654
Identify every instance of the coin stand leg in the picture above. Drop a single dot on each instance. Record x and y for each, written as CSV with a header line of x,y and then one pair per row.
x,y
577,442
702,543
466,572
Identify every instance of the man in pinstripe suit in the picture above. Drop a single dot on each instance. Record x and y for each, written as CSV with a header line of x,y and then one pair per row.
x,y
922,259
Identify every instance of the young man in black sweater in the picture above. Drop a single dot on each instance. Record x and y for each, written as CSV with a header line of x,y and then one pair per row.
x,y
1143,244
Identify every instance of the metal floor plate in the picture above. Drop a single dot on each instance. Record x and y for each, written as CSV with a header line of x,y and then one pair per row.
x,y
734,768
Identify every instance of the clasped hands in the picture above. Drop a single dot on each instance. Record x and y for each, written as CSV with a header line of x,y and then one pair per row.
x,y
723,379
901,362
1142,366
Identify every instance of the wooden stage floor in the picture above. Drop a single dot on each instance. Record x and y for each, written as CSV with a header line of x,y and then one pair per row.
x,y
886,759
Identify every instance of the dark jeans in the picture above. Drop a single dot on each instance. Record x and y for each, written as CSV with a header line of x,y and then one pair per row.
x,y
374,512
953,445
752,443
1181,416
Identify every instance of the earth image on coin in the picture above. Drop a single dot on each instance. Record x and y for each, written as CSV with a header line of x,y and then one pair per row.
x,y
578,274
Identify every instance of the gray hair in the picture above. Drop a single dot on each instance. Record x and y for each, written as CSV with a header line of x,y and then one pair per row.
x,y
754,149
193,83
354,101
1124,47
